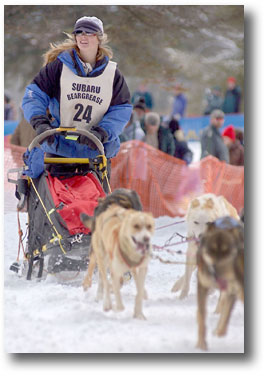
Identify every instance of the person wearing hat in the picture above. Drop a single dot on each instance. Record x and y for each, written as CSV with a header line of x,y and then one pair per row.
x,y
214,100
232,97
82,88
212,142
236,150
179,103
182,150
142,93
158,136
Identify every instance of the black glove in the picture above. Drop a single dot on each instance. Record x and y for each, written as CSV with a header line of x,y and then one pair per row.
x,y
41,123
98,132
43,128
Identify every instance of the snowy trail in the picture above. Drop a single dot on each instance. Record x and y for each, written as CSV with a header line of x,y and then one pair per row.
x,y
52,317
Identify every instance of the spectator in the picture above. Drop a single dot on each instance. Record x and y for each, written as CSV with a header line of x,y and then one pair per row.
x,y
240,136
179,103
158,136
212,142
23,134
236,150
132,130
181,148
143,93
214,100
232,97
9,112
139,110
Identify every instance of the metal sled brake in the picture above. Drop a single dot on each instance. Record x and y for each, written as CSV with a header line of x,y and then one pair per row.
x,y
53,202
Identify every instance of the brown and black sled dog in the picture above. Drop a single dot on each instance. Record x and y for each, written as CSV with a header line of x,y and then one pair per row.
x,y
220,260
121,242
126,198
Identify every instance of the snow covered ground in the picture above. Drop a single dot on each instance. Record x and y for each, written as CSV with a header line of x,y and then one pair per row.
x,y
52,316
57,316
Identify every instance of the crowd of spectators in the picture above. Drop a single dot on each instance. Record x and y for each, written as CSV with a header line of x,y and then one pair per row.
x,y
164,132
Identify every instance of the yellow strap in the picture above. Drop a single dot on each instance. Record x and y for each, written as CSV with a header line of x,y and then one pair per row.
x,y
62,160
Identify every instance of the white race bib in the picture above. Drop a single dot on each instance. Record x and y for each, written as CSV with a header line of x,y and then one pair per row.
x,y
85,100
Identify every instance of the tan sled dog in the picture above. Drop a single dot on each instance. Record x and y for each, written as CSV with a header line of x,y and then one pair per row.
x,y
121,242
220,260
201,210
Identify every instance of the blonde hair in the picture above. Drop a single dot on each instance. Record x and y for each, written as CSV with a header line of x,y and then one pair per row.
x,y
70,43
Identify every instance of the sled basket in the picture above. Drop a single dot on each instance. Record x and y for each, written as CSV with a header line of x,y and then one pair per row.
x,y
54,201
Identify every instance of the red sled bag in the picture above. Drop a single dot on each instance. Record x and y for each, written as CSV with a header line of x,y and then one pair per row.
x,y
76,195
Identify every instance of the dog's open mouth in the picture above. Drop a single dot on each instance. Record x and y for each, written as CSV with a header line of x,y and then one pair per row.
x,y
222,283
141,247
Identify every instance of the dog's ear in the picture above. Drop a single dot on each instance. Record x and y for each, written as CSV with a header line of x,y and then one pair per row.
x,y
100,199
124,201
238,233
210,226
195,203
86,220
209,204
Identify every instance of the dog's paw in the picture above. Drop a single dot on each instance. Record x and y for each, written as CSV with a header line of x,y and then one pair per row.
x,y
177,286
140,316
107,306
183,294
201,344
219,332
119,307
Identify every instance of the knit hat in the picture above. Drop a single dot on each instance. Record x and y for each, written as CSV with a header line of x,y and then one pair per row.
x,y
89,24
217,113
140,104
152,118
229,131
231,79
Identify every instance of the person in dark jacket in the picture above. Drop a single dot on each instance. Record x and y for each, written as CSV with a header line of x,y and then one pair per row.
x,y
158,136
236,150
232,97
240,136
82,88
143,93
181,148
214,100
212,142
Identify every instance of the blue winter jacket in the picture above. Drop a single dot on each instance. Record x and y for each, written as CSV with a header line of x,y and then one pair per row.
x,y
179,105
44,92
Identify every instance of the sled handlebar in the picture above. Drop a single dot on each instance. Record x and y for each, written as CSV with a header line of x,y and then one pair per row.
x,y
71,131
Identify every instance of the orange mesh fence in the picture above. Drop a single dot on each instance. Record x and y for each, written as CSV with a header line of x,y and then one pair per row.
x,y
222,179
165,184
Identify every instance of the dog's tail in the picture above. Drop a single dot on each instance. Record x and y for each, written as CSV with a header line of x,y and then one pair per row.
x,y
86,220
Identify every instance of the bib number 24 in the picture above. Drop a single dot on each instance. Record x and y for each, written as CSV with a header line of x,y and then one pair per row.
x,y
83,114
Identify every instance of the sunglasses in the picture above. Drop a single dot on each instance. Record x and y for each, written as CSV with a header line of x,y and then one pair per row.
x,y
219,118
79,33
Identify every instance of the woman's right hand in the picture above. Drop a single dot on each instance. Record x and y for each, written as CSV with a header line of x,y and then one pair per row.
x,y
43,128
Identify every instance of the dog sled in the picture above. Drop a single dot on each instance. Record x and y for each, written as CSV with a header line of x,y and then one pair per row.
x,y
56,239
